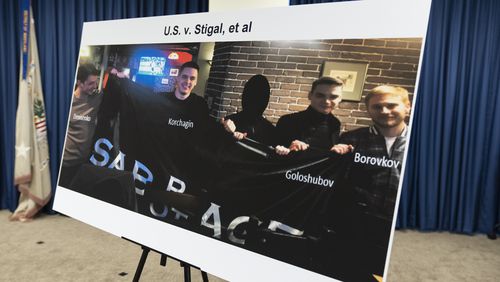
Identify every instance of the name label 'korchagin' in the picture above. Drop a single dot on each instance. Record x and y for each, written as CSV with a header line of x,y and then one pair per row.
x,y
181,123
383,162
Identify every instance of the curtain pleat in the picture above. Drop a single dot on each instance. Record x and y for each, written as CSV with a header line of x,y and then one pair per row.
x,y
452,174
10,25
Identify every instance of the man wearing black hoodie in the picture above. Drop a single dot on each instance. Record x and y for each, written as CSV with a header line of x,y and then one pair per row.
x,y
316,126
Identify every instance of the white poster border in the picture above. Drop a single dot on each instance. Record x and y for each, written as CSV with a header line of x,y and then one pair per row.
x,y
357,19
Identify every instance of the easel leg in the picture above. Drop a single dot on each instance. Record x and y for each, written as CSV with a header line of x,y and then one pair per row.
x,y
163,260
204,276
140,266
187,272
493,234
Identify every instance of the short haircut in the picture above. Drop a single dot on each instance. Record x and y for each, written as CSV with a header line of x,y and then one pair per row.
x,y
388,89
190,64
86,70
326,80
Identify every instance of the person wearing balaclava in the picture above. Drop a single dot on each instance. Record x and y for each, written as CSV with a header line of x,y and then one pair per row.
x,y
249,122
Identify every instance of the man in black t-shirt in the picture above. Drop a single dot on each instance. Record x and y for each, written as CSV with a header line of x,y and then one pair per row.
x,y
160,133
316,126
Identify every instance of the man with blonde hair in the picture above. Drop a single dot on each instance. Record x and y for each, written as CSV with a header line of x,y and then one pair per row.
x,y
377,153
378,149
388,107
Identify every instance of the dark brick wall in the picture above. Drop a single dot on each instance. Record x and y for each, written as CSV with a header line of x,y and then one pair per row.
x,y
291,67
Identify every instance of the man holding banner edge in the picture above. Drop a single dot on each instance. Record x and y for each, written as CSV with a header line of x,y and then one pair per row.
x,y
316,126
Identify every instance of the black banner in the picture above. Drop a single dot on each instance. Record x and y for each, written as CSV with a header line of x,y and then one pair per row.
x,y
173,163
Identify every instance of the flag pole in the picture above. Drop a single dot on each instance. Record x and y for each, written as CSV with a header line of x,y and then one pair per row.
x,y
31,170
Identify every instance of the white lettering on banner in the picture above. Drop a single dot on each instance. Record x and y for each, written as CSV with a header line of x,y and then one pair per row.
x,y
181,123
171,187
274,225
211,218
164,213
153,211
383,162
179,214
317,180
174,180
137,176
213,211
101,152
119,162
230,229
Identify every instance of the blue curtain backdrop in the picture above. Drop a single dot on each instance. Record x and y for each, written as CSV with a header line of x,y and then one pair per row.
x,y
452,174
58,26
453,168
9,78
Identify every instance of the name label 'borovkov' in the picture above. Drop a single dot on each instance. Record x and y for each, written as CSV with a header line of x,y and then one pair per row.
x,y
383,162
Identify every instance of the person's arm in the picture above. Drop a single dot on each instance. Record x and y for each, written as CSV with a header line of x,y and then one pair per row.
x,y
344,146
110,104
342,149
281,150
119,74
286,138
281,138
298,145
230,127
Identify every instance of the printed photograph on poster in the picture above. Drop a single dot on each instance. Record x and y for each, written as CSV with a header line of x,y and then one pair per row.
x,y
254,146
